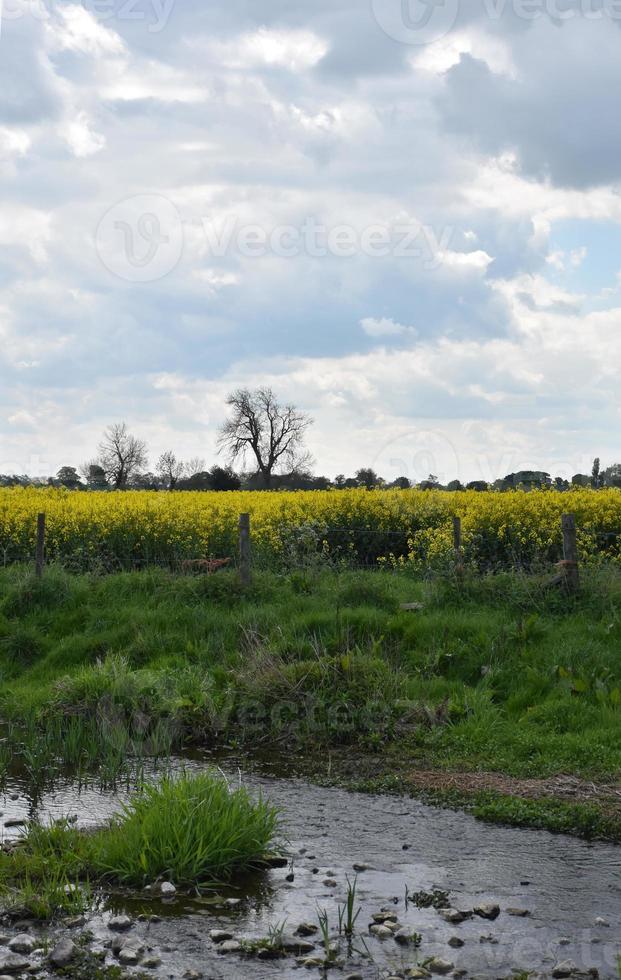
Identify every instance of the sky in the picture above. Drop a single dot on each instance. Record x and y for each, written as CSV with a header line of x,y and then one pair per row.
x,y
402,215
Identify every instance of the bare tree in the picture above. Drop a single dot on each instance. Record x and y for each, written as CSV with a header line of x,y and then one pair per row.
x,y
170,469
121,454
195,465
271,432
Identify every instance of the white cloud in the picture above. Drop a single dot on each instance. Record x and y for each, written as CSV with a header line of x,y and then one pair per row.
x,y
386,327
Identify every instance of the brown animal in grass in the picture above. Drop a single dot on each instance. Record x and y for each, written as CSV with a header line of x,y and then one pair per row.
x,y
204,566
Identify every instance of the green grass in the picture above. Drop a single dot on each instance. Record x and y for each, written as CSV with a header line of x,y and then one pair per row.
x,y
193,830
495,673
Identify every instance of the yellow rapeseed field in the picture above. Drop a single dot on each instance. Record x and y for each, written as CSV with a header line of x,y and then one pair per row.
x,y
412,527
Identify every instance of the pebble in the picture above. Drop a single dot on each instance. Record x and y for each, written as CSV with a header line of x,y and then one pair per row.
x,y
151,962
354,976
230,946
438,965
167,889
564,941
329,883
220,935
564,969
312,961
491,940
120,923
380,931
358,868
306,929
131,953
519,913
63,953
297,946
487,911
22,944
456,942
382,917
11,963
416,973
601,922
404,937
454,916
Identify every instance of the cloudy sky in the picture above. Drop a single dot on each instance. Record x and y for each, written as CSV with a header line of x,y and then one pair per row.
x,y
402,215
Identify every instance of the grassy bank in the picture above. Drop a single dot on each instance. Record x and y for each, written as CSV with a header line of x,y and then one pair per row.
x,y
496,673
192,830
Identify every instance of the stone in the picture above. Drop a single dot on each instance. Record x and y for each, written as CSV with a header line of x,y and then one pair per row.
x,y
359,868
167,889
193,975
11,963
602,922
306,929
454,916
329,883
22,944
120,923
131,953
380,931
519,913
311,962
489,939
487,911
382,917
297,946
438,965
564,941
456,942
404,937
151,962
564,969
417,973
232,903
230,946
220,935
63,953
354,976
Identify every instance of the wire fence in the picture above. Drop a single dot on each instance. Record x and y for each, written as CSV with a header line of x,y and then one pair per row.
x,y
440,547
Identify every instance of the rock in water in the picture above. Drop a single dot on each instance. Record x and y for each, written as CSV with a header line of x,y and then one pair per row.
x,y
22,944
11,963
438,965
487,911
120,923
63,953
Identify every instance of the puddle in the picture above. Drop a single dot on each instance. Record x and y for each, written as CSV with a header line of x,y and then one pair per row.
x,y
564,883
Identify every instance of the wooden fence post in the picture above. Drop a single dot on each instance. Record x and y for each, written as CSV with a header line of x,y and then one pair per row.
x,y
40,553
570,566
244,549
459,558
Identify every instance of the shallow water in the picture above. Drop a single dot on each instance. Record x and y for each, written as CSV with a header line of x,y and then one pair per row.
x,y
565,884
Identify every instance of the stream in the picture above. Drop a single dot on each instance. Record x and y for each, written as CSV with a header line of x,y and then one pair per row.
x,y
570,890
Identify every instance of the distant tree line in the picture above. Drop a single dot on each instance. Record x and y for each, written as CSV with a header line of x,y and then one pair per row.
x,y
271,435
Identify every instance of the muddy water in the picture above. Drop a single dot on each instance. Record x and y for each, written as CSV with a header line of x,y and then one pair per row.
x,y
564,883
